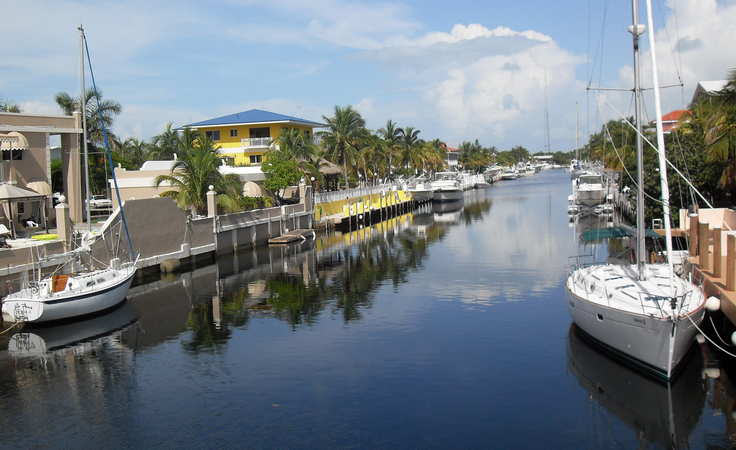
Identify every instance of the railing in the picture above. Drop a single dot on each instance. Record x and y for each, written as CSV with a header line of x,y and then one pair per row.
x,y
255,142
325,197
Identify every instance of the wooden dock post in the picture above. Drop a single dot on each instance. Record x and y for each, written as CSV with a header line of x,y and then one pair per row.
x,y
731,262
703,242
693,234
717,252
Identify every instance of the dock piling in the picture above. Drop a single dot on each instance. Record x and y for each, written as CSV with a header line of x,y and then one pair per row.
x,y
703,246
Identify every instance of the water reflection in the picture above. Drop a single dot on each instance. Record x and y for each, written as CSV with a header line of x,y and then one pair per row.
x,y
662,414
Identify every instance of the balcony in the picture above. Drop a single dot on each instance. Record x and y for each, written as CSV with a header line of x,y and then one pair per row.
x,y
255,142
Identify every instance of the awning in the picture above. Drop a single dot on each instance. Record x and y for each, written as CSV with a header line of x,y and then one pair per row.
x,y
41,187
10,193
607,233
13,141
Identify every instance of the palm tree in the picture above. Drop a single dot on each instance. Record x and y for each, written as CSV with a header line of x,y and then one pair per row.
x,y
192,175
719,114
344,138
392,134
9,106
108,108
136,151
374,156
412,151
165,144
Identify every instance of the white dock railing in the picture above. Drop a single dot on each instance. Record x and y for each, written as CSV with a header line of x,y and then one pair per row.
x,y
324,197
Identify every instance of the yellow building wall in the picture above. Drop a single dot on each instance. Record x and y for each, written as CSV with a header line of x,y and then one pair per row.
x,y
234,143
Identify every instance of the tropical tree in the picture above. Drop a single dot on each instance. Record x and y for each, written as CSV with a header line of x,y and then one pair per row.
x,y
165,144
293,145
9,106
411,149
375,156
392,135
280,174
345,135
109,109
136,151
193,174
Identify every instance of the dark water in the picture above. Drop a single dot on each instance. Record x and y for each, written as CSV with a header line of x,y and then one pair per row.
x,y
439,329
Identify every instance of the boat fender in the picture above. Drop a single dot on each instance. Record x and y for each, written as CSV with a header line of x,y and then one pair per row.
x,y
700,338
170,265
712,372
713,304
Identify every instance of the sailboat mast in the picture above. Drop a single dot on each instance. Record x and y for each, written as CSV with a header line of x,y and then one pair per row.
x,y
660,142
83,110
577,146
637,30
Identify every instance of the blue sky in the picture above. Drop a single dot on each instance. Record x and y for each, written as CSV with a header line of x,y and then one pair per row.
x,y
458,72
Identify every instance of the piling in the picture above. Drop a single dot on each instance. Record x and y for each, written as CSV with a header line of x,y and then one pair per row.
x,y
703,246
693,234
731,262
717,252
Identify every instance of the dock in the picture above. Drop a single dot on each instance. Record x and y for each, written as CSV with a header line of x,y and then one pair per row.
x,y
291,236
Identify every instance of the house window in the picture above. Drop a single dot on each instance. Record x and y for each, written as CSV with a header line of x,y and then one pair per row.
x,y
255,159
21,208
213,135
234,132
12,155
260,132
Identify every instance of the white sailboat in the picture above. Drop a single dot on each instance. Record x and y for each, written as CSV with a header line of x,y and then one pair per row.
x,y
643,313
70,292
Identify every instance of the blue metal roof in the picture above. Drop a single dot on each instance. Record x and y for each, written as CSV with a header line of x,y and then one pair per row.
x,y
253,116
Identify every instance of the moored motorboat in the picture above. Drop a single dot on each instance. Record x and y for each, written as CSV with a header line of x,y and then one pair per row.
x,y
446,187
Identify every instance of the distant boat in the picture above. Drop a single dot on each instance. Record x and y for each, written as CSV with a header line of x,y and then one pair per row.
x,y
589,189
446,187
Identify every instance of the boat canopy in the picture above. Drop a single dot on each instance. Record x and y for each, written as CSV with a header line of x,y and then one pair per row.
x,y
607,233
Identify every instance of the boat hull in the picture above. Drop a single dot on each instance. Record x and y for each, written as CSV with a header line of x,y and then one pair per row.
x,y
656,345
421,195
24,306
447,194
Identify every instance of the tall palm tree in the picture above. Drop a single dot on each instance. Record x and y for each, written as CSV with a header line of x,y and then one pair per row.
x,y
345,135
108,108
412,150
392,134
192,175
165,144
719,116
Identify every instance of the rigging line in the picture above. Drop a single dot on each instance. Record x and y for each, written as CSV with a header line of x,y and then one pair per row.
x,y
716,331
107,144
644,139
669,41
709,339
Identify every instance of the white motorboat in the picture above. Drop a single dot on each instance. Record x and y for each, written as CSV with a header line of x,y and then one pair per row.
x,y
70,292
420,190
589,189
643,312
446,187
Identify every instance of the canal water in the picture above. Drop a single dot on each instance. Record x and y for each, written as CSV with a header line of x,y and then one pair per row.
x,y
443,328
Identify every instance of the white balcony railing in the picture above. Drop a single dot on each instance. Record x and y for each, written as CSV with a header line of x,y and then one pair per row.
x,y
255,142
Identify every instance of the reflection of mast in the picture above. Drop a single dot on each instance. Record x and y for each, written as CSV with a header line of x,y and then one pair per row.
x,y
546,117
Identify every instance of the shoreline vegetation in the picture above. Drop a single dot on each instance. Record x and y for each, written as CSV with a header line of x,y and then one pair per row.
x,y
701,145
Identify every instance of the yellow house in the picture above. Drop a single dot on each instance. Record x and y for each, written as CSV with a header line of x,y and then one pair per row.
x,y
244,137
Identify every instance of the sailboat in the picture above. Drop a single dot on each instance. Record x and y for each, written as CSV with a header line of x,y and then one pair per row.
x,y
70,292
642,312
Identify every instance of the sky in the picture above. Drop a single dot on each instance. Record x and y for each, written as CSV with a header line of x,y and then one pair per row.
x,y
502,73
